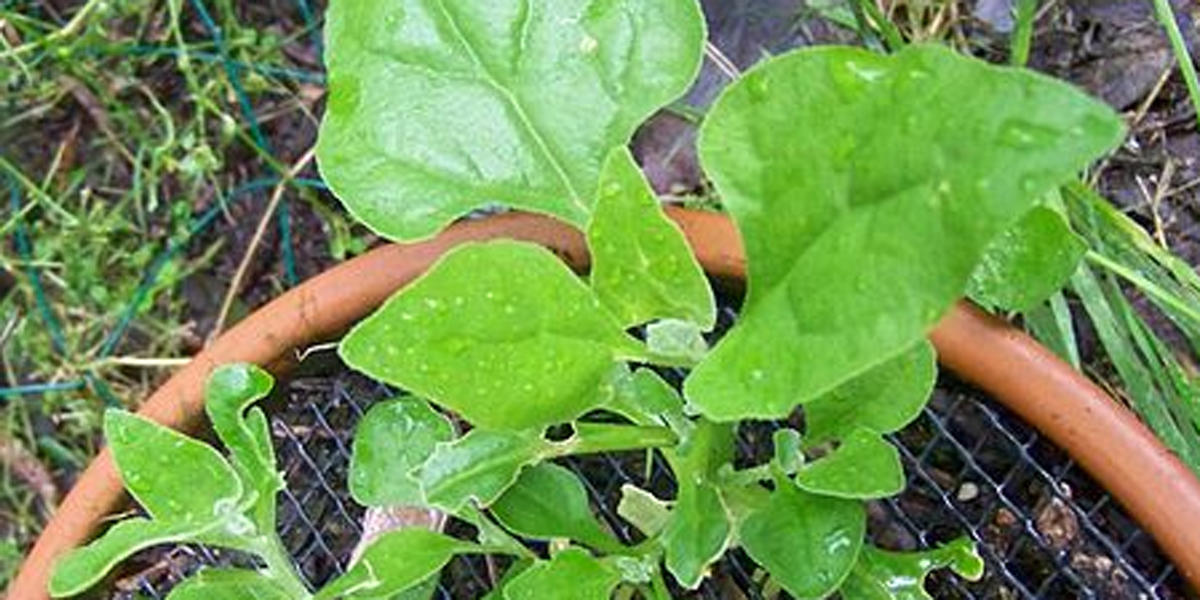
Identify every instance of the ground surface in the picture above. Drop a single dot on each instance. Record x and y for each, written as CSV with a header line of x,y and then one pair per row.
x,y
117,146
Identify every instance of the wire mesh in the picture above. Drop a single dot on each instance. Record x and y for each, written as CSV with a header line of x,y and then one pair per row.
x,y
1043,527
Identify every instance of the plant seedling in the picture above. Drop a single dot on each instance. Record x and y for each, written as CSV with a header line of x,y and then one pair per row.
x,y
871,191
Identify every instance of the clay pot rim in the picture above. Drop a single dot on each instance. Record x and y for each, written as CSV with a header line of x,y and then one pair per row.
x,y
1104,437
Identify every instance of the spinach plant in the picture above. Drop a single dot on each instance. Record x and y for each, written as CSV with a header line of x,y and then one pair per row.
x,y
871,192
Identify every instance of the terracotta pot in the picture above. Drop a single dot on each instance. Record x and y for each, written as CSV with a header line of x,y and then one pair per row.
x,y
1099,433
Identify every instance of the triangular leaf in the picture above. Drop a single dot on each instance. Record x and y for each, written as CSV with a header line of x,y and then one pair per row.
x,y
864,466
642,267
438,107
807,543
392,440
536,342
863,227
548,501
1028,263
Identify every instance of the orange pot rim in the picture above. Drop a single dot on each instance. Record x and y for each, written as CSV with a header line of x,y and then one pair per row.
x,y
1100,434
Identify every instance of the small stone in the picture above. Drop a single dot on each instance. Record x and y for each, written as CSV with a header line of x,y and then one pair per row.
x,y
967,492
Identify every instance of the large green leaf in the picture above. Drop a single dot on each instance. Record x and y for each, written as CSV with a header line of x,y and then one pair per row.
x,y
229,392
863,226
81,568
175,478
440,106
642,267
571,574
883,575
229,584
865,466
391,441
478,466
502,333
884,399
1028,263
807,543
395,562
548,501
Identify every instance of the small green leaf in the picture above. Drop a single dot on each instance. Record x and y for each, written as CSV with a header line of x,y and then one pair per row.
x,y
883,575
437,108
646,399
865,466
1028,263
478,467
513,571
548,501
697,533
81,568
395,562
229,584
678,341
175,478
572,574
864,230
229,392
642,509
884,399
789,455
642,267
807,543
392,440
501,333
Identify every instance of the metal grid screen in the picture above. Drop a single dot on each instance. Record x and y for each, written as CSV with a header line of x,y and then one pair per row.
x,y
1044,528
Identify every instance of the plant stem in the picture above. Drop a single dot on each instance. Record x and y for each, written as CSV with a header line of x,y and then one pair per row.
x,y
1166,16
1023,32
280,566
593,438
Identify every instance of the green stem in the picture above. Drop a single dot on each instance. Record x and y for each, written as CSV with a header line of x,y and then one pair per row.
x,y
1166,16
594,438
1151,289
1023,32
280,566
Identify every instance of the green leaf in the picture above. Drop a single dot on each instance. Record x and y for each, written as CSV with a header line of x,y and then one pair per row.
x,y
642,509
678,341
646,399
572,574
699,529
175,478
865,466
81,568
229,392
697,533
807,543
438,107
642,267
789,455
392,440
395,562
883,575
478,467
884,399
862,230
1028,263
548,501
229,584
502,333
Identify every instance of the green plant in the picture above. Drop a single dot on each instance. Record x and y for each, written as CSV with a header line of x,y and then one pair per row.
x,y
861,230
